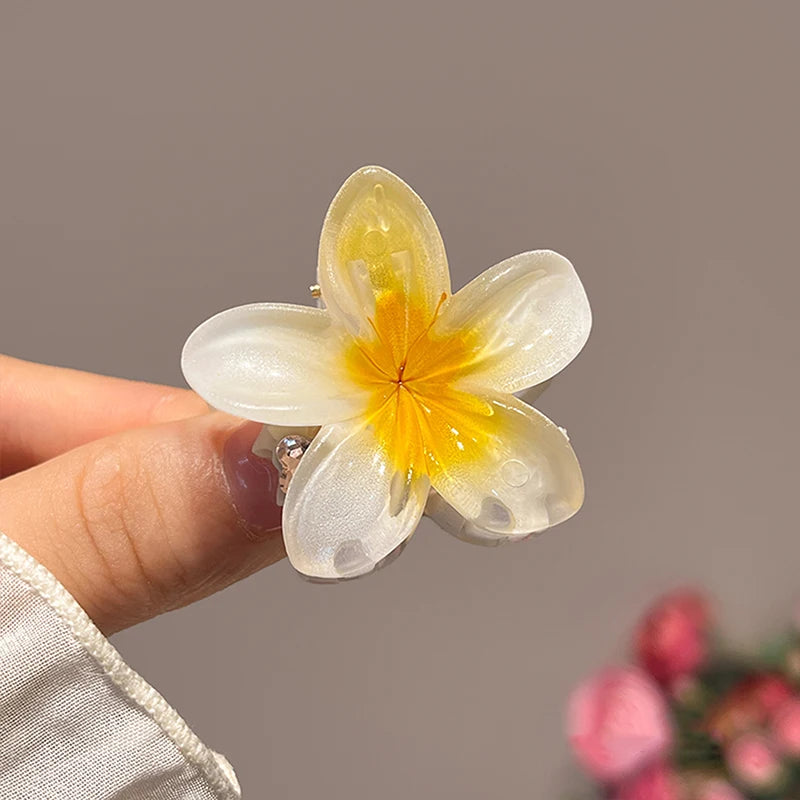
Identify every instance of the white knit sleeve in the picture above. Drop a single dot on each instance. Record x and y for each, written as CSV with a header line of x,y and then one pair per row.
x,y
76,723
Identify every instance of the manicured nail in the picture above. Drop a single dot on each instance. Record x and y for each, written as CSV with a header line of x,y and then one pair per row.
x,y
253,481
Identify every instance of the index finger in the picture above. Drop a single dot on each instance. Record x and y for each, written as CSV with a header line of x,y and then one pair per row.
x,y
45,410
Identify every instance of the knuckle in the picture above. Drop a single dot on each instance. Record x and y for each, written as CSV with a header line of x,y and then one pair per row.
x,y
99,491
153,508
115,504
176,404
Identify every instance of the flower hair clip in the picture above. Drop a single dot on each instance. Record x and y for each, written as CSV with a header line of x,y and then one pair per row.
x,y
396,394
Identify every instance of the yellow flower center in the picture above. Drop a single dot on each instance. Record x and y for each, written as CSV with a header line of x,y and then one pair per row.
x,y
420,419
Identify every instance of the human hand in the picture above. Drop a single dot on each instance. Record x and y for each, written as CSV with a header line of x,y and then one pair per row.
x,y
135,496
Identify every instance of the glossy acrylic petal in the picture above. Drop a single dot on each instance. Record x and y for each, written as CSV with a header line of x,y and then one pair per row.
x,y
348,506
450,521
499,463
382,264
273,363
519,323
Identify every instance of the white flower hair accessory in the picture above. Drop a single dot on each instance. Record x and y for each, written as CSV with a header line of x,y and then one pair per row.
x,y
413,387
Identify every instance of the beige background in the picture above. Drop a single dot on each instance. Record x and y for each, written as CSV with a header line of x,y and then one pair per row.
x,y
162,161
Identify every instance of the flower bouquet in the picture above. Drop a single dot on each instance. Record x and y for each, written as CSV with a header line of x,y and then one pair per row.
x,y
691,721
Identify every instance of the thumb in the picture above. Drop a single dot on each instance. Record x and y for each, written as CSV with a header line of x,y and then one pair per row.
x,y
150,519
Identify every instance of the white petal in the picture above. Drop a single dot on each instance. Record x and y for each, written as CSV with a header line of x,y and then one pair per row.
x,y
499,463
379,243
450,521
348,507
528,317
273,363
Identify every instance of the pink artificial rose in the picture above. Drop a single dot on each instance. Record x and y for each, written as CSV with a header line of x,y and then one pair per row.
x,y
786,727
656,782
671,640
617,722
753,762
717,789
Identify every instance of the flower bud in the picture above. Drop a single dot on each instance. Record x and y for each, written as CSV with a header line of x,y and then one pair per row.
x,y
754,763
672,639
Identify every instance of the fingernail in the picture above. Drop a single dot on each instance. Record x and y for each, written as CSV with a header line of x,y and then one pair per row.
x,y
253,482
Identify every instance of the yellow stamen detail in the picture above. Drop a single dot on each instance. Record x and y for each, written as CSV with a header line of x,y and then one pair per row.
x,y
420,420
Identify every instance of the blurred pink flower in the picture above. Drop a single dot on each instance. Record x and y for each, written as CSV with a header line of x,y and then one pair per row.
x,y
753,762
717,789
748,705
617,722
656,782
671,640
771,691
786,727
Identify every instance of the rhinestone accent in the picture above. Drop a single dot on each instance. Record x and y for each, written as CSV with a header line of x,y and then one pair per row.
x,y
288,453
